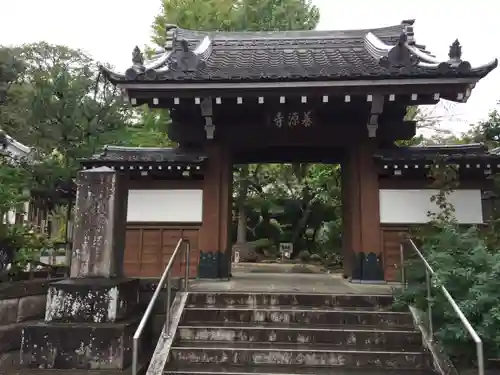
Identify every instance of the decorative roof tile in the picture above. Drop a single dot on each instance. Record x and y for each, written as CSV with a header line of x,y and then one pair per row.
x,y
389,52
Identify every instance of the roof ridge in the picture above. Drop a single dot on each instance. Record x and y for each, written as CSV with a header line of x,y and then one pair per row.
x,y
394,30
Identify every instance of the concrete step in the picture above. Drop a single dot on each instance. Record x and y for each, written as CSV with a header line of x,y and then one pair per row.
x,y
204,369
382,302
285,315
270,354
352,338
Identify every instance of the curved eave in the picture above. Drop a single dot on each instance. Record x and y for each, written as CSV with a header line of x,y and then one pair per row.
x,y
378,49
430,73
112,76
145,158
161,64
429,159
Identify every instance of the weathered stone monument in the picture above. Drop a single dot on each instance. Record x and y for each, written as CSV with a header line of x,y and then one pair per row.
x,y
91,317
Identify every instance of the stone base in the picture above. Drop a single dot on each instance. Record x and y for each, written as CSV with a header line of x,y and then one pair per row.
x,y
367,267
214,265
90,346
98,300
10,336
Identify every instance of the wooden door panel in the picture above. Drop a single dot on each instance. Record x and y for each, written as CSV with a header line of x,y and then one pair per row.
x,y
149,249
391,239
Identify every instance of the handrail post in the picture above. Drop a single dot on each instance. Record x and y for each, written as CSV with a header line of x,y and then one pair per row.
x,y
429,303
188,254
402,260
134,355
167,310
480,357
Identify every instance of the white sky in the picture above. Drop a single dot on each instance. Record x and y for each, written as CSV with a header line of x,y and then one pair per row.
x,y
109,29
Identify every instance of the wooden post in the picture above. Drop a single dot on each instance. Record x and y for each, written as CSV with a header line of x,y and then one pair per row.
x,y
362,247
215,233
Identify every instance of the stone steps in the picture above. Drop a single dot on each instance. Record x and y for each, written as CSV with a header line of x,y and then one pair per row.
x,y
265,333
294,315
377,302
341,338
204,369
269,354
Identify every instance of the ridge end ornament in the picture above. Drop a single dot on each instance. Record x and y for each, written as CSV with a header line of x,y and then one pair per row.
x,y
399,56
455,61
183,58
137,57
455,53
137,64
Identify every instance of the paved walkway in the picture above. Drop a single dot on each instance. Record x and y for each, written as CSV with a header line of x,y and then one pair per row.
x,y
246,279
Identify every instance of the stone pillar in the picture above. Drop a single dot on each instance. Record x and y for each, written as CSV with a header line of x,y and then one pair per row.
x,y
91,317
215,233
362,248
100,223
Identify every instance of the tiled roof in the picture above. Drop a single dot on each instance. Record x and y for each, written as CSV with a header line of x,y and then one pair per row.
x,y
117,154
450,153
12,147
389,52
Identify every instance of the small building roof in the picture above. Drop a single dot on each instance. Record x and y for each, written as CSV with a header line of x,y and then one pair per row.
x,y
148,154
146,158
388,52
472,159
449,153
13,148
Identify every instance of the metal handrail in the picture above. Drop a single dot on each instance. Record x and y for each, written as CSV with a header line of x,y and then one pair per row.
x,y
165,277
428,273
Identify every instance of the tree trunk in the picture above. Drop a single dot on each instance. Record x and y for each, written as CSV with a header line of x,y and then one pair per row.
x,y
241,235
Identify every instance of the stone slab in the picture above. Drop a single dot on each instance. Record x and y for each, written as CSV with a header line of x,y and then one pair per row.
x,y
340,338
286,283
296,356
17,289
8,311
288,316
98,300
31,307
380,302
89,346
10,336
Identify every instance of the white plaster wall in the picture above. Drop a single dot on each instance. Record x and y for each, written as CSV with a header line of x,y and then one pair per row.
x,y
409,206
172,205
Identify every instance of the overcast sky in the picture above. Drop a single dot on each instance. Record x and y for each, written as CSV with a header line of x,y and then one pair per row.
x,y
109,29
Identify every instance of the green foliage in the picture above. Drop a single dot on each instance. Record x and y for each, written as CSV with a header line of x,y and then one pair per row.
x,y
14,182
488,131
261,244
10,69
466,262
293,203
239,15
26,244
149,131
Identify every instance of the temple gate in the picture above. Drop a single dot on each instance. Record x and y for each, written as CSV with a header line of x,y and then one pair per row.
x,y
316,96
235,98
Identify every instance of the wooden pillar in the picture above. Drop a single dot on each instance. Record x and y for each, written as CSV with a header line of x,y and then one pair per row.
x,y
362,244
346,220
215,233
100,220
